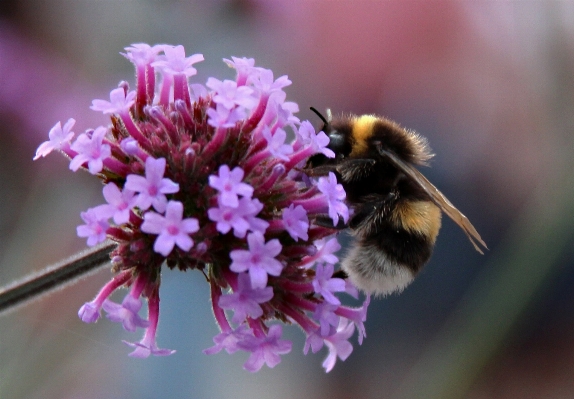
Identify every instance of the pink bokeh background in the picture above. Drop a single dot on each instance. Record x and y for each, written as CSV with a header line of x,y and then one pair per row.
x,y
491,84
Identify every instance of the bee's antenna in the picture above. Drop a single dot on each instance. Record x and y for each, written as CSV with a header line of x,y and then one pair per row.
x,y
320,115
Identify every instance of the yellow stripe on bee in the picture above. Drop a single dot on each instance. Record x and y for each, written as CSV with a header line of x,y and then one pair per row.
x,y
421,217
362,130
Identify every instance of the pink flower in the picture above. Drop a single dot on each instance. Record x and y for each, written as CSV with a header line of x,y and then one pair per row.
x,y
58,138
325,285
147,346
266,349
335,197
91,149
95,227
153,187
259,260
338,344
175,61
119,202
296,222
241,219
185,164
245,300
230,186
120,102
172,229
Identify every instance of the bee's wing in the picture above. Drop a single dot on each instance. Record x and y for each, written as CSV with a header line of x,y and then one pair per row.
x,y
437,197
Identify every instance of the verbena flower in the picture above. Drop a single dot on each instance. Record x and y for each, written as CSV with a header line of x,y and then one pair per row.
x,y
202,177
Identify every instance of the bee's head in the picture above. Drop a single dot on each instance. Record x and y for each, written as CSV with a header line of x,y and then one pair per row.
x,y
338,142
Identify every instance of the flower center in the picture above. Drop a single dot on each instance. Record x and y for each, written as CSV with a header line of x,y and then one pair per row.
x,y
95,154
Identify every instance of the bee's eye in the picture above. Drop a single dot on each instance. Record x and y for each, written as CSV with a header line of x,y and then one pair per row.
x,y
339,144
337,141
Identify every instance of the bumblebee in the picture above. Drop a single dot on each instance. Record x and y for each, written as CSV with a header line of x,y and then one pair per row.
x,y
397,211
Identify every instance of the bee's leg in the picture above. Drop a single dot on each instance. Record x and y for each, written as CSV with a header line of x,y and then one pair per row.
x,y
349,167
377,204
326,221
322,170
357,163
354,170
361,213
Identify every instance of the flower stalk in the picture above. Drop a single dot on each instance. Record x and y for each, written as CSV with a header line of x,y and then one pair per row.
x,y
55,277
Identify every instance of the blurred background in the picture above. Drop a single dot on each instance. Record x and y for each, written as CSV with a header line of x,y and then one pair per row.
x,y
491,84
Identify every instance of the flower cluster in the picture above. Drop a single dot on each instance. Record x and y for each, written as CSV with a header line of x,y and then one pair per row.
x,y
202,177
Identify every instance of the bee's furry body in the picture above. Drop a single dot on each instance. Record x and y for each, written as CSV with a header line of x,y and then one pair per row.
x,y
396,218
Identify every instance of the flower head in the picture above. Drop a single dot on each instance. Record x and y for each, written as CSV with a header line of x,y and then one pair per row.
x,y
246,299
147,345
317,141
172,229
276,143
175,61
259,260
335,195
96,225
265,349
59,137
240,219
229,95
230,186
91,149
153,187
126,313
120,102
224,117
120,202
142,53
326,285
202,176
229,340
296,222
339,345
245,67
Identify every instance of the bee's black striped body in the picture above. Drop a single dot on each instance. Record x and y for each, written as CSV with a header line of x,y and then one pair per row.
x,y
397,212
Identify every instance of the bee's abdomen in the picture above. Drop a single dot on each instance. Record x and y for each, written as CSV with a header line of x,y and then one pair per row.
x,y
387,261
418,217
408,233
412,250
374,272
390,253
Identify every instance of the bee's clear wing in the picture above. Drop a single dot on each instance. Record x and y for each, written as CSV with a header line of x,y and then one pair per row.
x,y
437,197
